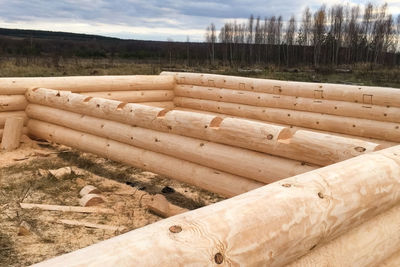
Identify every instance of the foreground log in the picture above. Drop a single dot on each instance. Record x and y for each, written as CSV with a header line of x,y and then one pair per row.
x,y
250,164
15,86
135,96
339,108
269,226
181,170
392,261
12,102
359,127
366,245
352,93
12,133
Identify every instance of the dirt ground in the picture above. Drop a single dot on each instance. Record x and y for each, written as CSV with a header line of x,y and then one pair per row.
x,y
23,178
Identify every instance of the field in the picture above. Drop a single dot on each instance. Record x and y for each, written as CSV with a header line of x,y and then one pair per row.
x,y
47,67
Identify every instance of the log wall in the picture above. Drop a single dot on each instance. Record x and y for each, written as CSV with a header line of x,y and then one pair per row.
x,y
370,112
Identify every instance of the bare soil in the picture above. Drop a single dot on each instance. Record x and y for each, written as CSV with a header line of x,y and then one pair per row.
x,y
122,187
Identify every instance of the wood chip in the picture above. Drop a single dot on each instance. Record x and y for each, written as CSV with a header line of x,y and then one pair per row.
x,y
92,225
66,208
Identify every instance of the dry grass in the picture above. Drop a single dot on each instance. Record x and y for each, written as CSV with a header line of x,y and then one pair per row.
x,y
21,182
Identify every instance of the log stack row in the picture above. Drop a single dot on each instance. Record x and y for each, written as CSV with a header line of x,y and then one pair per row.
x,y
148,90
371,112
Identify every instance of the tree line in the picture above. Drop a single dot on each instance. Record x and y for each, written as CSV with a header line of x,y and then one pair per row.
x,y
340,34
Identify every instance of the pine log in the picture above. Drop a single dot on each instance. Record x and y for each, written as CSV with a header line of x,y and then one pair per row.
x,y
178,122
250,164
159,205
12,133
135,96
24,131
392,261
382,143
66,208
12,102
368,95
8,114
340,108
366,245
359,127
269,226
181,170
162,104
18,86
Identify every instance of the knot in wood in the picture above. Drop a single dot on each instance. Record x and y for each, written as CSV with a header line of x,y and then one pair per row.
x,y
175,229
218,258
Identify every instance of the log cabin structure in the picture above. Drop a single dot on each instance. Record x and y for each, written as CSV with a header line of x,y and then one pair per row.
x,y
312,171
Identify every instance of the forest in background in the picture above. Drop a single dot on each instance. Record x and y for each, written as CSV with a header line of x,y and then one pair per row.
x,y
336,35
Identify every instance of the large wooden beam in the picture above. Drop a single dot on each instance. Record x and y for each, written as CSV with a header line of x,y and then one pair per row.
x,y
269,226
15,86
339,108
135,96
366,245
383,96
9,114
359,127
12,102
250,164
12,133
181,170
383,144
319,149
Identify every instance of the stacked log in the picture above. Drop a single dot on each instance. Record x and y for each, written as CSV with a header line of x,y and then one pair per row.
x,y
368,95
252,165
352,126
209,179
269,226
310,147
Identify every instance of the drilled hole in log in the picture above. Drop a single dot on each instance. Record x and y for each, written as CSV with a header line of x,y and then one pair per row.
x,y
360,149
397,127
384,114
121,105
218,258
270,137
87,99
102,126
335,107
320,195
216,122
58,93
201,144
286,185
156,140
162,113
288,115
175,229
98,105
354,125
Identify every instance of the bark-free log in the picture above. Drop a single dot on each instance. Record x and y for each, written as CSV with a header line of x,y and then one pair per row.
x,y
250,164
178,122
203,177
12,133
160,206
15,86
12,102
135,96
366,245
382,143
269,226
358,94
359,127
11,114
340,108
162,104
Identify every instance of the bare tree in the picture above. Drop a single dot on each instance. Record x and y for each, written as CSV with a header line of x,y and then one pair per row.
x,y
319,33
290,31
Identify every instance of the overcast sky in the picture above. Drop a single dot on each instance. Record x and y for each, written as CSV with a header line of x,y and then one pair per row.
x,y
149,19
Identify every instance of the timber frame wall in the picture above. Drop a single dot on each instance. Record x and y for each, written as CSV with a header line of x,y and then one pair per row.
x,y
232,136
